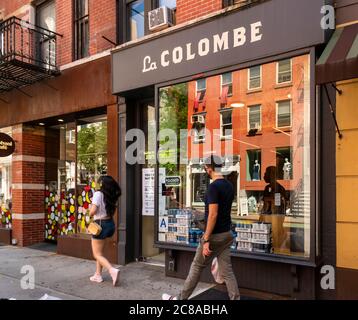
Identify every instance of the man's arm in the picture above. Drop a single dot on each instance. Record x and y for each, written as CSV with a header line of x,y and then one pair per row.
x,y
213,215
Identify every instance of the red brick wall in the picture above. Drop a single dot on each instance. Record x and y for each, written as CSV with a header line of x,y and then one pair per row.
x,y
27,170
102,15
189,9
64,26
102,22
26,232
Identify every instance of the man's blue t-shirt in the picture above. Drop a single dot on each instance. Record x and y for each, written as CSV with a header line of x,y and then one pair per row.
x,y
220,192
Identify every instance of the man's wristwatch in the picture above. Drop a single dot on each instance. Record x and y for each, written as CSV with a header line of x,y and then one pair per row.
x,y
205,240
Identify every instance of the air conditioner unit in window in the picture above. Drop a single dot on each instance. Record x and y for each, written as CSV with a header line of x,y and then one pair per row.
x,y
160,18
198,119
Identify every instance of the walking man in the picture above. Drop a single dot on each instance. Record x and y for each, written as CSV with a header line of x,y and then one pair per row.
x,y
217,238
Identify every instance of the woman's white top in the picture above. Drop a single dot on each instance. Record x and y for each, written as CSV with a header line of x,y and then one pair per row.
x,y
98,201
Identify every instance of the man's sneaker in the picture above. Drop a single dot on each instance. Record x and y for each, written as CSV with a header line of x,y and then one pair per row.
x,y
96,278
166,296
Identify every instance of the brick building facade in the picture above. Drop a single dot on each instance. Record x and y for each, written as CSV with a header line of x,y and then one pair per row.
x,y
88,35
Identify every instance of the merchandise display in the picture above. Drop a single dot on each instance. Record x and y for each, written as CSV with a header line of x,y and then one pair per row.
x,y
181,228
256,237
5,218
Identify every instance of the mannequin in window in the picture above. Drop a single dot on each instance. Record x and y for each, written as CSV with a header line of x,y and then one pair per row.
x,y
256,171
286,170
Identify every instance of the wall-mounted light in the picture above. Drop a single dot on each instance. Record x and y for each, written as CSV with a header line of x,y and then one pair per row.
x,y
237,105
41,124
289,96
60,120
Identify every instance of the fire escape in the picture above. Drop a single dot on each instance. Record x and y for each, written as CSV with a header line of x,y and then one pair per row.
x,y
27,54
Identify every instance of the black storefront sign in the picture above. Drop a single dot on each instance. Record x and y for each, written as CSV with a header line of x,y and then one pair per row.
x,y
7,145
268,29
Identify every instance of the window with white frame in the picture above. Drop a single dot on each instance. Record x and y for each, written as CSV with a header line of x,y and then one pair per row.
x,y
254,117
201,89
284,71
284,114
226,124
226,82
198,125
255,77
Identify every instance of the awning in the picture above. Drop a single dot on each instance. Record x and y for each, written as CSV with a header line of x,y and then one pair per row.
x,y
339,60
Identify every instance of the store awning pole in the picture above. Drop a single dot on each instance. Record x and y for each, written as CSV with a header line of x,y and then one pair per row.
x,y
332,112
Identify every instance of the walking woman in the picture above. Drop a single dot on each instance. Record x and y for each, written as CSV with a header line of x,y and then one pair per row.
x,y
104,204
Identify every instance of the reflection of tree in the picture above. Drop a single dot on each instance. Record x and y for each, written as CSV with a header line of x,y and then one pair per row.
x,y
92,148
174,115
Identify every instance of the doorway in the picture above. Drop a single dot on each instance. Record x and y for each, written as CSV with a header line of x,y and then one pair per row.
x,y
147,251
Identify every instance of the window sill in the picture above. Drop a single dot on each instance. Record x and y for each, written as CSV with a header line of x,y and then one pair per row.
x,y
283,85
199,142
283,129
253,135
242,254
225,138
252,91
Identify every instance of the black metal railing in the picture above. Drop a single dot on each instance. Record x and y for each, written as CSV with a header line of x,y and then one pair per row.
x,y
27,43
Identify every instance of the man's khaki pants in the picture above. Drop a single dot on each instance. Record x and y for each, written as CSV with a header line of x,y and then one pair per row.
x,y
220,246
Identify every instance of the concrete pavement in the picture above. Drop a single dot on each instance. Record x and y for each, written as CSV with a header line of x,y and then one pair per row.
x,y
68,278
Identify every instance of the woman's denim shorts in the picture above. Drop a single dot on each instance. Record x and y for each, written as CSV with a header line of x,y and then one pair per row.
x,y
108,228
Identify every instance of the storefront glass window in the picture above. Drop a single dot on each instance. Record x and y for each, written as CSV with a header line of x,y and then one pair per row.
x,y
60,181
91,164
268,167
5,188
73,147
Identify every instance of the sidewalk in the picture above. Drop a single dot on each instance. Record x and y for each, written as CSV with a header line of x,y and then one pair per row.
x,y
68,278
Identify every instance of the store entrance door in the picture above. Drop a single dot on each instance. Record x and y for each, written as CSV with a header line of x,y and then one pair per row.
x,y
148,253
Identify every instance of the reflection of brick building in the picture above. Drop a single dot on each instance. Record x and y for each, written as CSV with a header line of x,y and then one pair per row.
x,y
269,139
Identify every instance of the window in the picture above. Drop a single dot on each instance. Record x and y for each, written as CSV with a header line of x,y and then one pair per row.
x,y
253,165
200,184
171,4
81,29
284,71
76,148
283,114
254,118
284,163
226,83
271,173
201,89
136,19
198,121
255,77
6,187
46,18
226,124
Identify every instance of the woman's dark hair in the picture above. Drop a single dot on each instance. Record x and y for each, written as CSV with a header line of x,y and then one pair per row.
x,y
111,192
